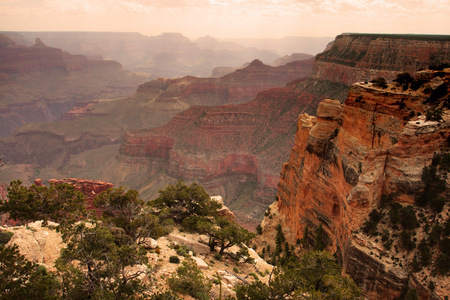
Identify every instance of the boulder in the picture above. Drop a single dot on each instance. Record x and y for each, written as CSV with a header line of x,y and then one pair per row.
x,y
149,243
200,262
197,247
38,244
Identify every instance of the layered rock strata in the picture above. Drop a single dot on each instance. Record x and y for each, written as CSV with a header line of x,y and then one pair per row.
x,y
362,57
236,151
344,159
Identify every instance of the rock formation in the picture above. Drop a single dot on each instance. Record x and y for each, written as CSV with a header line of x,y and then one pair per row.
x,y
89,188
37,243
344,160
237,150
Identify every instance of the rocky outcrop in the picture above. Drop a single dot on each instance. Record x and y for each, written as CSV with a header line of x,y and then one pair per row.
x,y
344,159
37,243
43,245
89,188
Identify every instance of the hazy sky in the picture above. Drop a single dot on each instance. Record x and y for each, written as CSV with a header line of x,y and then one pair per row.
x,y
229,18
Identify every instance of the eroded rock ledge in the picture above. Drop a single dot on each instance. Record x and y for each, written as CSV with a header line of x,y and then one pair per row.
x,y
343,160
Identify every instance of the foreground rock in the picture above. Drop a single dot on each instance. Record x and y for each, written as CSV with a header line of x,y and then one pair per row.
x,y
37,243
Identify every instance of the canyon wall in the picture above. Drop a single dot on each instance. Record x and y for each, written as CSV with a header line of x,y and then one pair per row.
x,y
362,57
95,124
344,160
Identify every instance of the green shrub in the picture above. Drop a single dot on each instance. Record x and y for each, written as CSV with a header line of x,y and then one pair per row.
x,y
406,241
447,227
417,84
5,236
425,253
385,238
434,114
259,229
394,213
444,246
442,264
174,259
411,295
182,251
415,265
166,295
437,204
217,256
435,235
379,82
403,78
189,280
408,218
431,285
438,93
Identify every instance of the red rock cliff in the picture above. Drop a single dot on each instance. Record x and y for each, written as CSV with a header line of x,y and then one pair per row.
x,y
343,160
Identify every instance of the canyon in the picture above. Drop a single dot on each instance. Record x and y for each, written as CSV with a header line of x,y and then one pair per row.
x,y
85,137
233,134
40,83
237,150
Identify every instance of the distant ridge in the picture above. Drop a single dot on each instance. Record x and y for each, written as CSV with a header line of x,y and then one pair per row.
x,y
404,36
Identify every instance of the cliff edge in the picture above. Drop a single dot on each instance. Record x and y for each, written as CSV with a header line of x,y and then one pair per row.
x,y
348,160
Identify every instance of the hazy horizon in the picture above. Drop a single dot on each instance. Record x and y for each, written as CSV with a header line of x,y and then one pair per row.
x,y
229,19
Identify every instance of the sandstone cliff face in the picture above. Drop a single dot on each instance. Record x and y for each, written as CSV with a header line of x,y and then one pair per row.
x,y
343,160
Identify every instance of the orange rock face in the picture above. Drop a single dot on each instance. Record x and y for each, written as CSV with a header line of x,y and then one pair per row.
x,y
344,159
